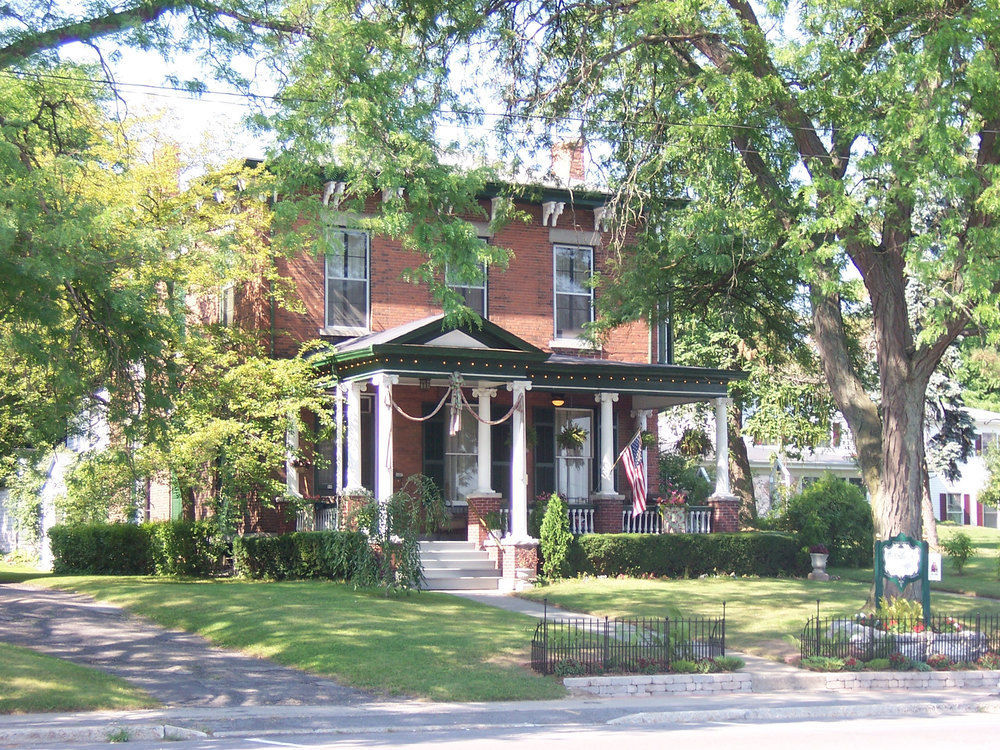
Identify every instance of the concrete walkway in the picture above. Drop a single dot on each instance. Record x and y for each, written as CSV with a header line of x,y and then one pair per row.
x,y
176,668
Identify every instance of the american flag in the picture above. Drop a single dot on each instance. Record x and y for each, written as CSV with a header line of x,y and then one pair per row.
x,y
635,470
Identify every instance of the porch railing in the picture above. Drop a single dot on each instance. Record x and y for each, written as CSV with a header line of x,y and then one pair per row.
x,y
698,520
581,520
321,516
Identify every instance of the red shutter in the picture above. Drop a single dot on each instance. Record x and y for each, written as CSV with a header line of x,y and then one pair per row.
x,y
966,520
979,513
944,507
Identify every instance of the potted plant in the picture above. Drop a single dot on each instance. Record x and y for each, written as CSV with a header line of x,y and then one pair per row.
x,y
673,512
819,554
572,437
648,439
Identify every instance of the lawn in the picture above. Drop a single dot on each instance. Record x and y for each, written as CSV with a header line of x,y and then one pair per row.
x,y
424,644
31,682
763,615
10,573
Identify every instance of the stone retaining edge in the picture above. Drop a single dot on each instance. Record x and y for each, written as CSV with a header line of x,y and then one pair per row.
x,y
742,682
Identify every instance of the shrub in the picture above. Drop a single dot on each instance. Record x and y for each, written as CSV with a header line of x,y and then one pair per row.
x,y
939,661
680,555
101,549
959,549
187,548
878,665
335,555
556,539
728,663
835,513
683,666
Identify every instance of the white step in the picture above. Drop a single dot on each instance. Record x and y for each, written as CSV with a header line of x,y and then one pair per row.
x,y
480,583
457,565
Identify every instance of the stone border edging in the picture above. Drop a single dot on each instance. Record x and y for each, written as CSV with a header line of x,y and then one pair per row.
x,y
743,682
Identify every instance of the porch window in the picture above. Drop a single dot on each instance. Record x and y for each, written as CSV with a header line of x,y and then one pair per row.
x,y
461,471
574,299
574,466
474,292
347,279
953,507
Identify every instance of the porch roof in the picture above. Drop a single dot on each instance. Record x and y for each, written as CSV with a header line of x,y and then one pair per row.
x,y
490,354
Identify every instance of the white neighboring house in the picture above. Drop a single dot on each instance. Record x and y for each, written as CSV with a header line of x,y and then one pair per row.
x,y
90,433
953,501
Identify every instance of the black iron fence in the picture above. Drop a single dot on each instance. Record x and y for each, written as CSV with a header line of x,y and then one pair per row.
x,y
581,646
939,639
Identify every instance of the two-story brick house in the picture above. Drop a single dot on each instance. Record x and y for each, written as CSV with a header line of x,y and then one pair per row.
x,y
517,382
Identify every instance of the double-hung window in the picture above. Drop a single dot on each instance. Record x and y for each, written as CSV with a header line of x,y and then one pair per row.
x,y
347,274
574,299
473,292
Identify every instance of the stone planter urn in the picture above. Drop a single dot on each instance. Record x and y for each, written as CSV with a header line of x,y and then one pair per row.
x,y
819,566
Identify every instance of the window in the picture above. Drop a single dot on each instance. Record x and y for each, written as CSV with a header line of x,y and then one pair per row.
x,y
574,466
574,299
347,280
227,303
953,507
461,468
474,293
807,481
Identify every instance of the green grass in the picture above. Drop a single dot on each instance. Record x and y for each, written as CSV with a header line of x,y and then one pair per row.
x,y
10,573
32,682
425,644
763,615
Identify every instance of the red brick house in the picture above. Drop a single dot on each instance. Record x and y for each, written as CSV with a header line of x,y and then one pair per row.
x,y
518,381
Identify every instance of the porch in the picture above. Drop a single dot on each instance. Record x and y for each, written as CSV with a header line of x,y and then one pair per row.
x,y
496,421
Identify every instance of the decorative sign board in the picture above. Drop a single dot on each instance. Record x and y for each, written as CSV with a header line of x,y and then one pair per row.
x,y
934,568
903,561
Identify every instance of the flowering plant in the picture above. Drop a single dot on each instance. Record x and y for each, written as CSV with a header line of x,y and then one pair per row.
x,y
819,549
673,498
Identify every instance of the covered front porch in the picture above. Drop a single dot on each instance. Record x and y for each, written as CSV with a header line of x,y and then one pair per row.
x,y
497,422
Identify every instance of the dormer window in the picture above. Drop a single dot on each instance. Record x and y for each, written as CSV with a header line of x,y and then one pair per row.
x,y
347,275
574,299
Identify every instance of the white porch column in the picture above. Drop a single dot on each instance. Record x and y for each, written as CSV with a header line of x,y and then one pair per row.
x,y
383,451
338,481
518,463
484,443
354,391
722,448
607,401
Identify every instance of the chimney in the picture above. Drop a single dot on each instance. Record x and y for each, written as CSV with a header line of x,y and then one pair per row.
x,y
567,162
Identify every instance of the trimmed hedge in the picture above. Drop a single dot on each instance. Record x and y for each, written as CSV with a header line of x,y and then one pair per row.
x,y
117,549
679,555
336,555
185,548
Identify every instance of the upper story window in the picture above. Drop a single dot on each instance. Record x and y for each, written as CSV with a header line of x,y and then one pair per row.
x,y
347,275
474,293
227,304
574,299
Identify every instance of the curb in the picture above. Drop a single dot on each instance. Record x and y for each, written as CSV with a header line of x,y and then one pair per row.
x,y
809,713
100,733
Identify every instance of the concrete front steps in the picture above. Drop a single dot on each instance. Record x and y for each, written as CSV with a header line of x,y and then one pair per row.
x,y
450,566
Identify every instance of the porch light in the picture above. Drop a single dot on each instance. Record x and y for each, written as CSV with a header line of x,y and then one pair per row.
x,y
558,399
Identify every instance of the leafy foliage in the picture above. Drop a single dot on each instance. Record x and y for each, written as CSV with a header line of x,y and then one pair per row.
x,y
100,488
681,472
682,555
101,549
990,493
334,555
959,548
833,512
556,539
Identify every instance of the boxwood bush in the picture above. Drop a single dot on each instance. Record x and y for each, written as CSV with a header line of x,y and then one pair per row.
x,y
187,548
678,555
101,549
833,512
336,555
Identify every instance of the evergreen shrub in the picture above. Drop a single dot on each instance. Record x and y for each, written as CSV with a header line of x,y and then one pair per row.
x,y
679,555
101,549
334,555
833,512
187,548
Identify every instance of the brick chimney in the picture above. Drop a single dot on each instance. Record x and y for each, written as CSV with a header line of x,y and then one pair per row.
x,y
567,162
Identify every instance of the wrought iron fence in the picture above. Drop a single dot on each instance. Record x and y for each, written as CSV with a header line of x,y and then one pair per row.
x,y
944,639
569,646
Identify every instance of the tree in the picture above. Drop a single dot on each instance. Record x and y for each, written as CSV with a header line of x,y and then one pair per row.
x,y
843,134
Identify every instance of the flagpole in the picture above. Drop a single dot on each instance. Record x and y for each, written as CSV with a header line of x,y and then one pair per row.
x,y
622,452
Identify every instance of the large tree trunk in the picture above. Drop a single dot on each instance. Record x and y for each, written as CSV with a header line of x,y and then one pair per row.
x,y
740,477
897,508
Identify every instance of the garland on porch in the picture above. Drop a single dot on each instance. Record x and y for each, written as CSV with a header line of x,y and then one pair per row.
x,y
458,401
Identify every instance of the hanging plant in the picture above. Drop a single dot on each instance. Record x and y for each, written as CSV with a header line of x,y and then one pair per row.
x,y
572,437
648,439
694,443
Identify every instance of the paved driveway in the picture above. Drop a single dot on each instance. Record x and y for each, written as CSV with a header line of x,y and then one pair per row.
x,y
176,668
